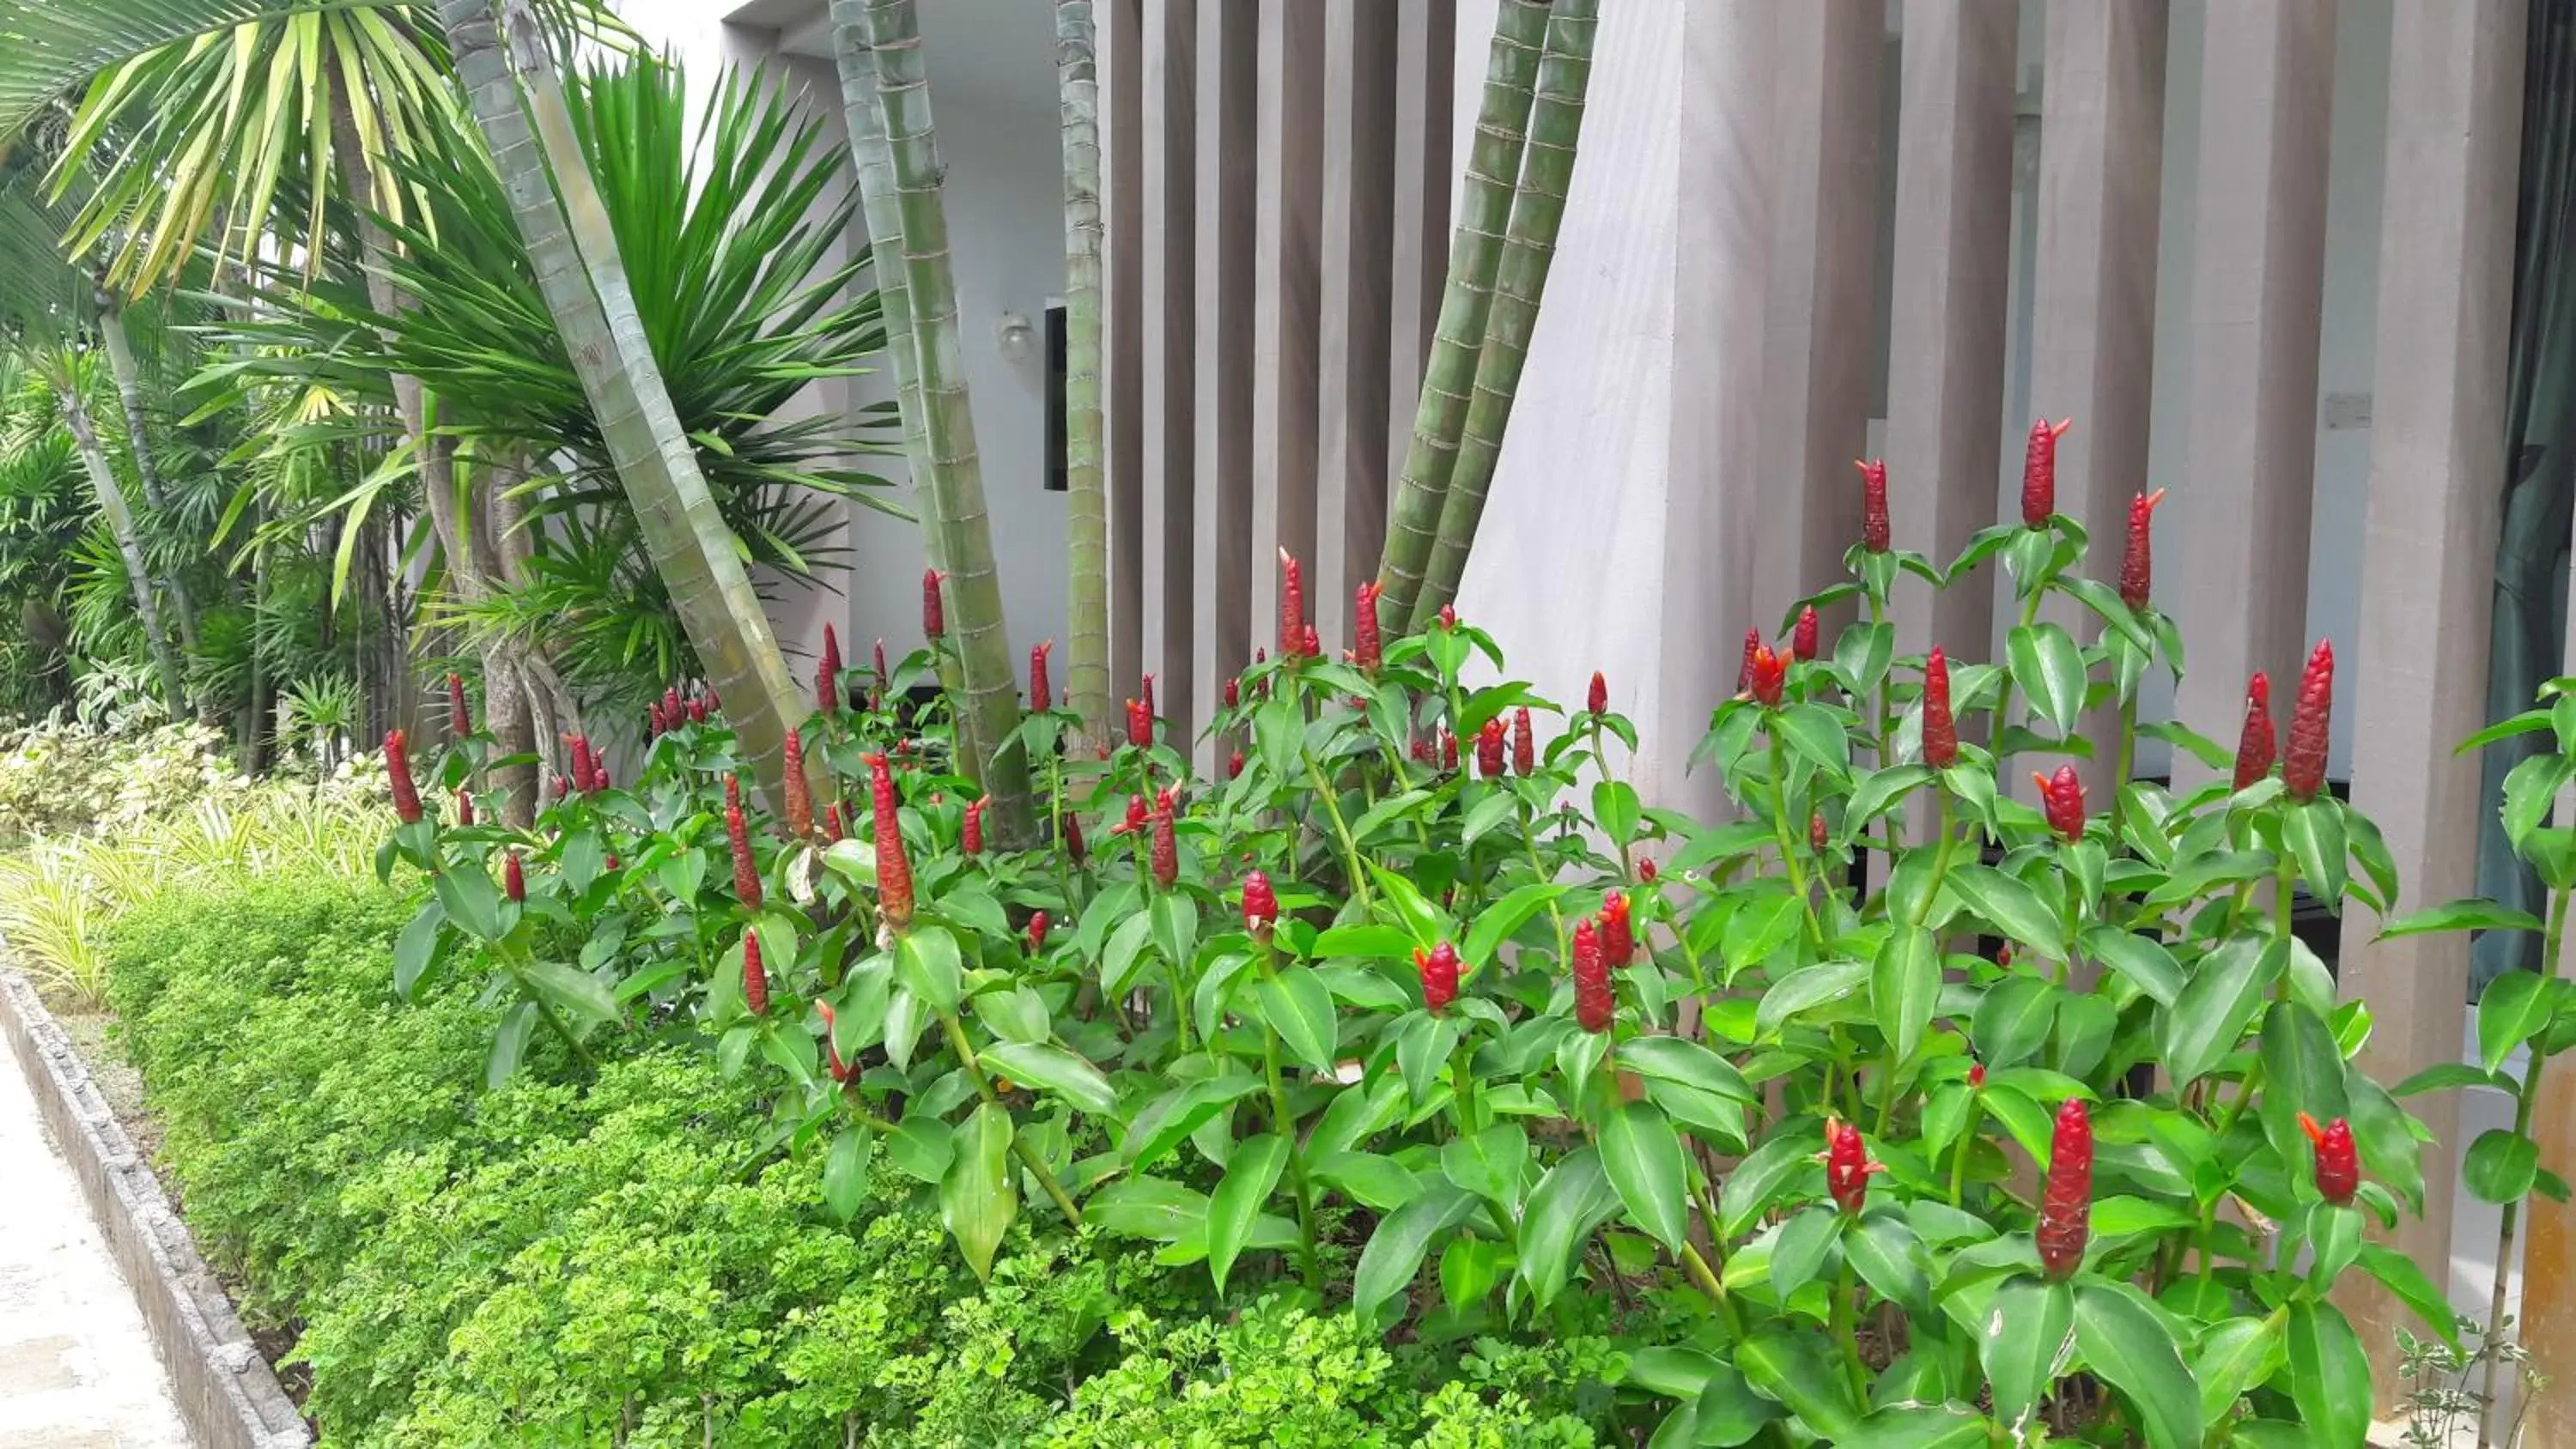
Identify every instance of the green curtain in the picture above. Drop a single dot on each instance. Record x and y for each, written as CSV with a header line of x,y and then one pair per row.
x,y
2529,642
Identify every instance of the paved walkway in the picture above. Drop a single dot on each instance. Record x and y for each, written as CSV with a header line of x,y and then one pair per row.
x,y
76,1368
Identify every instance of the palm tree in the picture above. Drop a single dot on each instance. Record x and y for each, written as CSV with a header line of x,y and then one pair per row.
x,y
1087,502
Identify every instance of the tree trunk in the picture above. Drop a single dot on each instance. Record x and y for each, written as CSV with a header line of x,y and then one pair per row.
x,y
1556,124
1086,493
1475,253
120,523
138,440
992,700
573,251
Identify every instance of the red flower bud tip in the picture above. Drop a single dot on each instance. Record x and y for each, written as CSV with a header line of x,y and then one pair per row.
x,y
1041,690
827,687
514,877
1448,616
934,611
1140,724
1448,749
2338,1168
834,823
610,863
1439,969
698,710
800,791
1847,1167
1137,814
1165,856
1314,643
1069,829
2303,763
831,646
2039,472
1977,1076
1489,748
1594,1005
1597,698
1233,693
398,775
1873,505
464,808
598,771
1770,671
755,977
1524,743
1421,750
1146,697
2004,955
883,678
746,875
1744,670
1234,765
671,702
581,762
1618,941
2061,796
1940,732
970,836
2138,564
1292,606
831,1048
2066,1203
459,722
894,868
563,786
1037,932
1646,869
2255,745
1260,905
1367,651
1817,836
653,717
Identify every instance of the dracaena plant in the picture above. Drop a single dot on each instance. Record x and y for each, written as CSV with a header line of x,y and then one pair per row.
x,y
1414,1004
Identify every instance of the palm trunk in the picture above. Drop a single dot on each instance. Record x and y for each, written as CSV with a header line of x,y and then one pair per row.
x,y
1475,254
1556,123
573,251
138,441
1086,493
120,523
992,701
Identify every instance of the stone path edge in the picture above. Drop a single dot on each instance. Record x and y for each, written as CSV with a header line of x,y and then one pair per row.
x,y
227,1393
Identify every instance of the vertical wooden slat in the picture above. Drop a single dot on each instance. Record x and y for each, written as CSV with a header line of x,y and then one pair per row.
x,y
2258,276
1290,110
1945,369
1168,227
1426,40
1358,251
1122,87
1818,331
2093,324
1221,641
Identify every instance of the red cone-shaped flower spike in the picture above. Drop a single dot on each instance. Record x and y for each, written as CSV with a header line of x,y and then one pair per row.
x,y
934,611
2138,564
883,679
1597,699
1292,606
514,877
835,824
1770,671
1260,906
1448,616
827,674
398,775
1847,1167
832,647
1803,639
1817,835
563,786
1448,749
1146,698
1137,814
2338,1166
2066,1203
2303,763
581,762
1439,969
1647,870
970,836
1069,829
1037,933
1233,693
832,1049
746,875
2039,472
1234,765
755,977
1489,748
459,722
894,868
1940,732
2255,744
1594,1005
1873,506
1140,724
653,714
1977,1076
1744,671
464,808
800,790
1165,856
1366,649
1618,940
2061,798
598,771
698,710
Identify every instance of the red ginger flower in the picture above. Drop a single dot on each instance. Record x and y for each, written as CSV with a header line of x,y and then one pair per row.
x,y
934,610
598,771
1421,749
1448,749
1069,828
2254,746
1597,699
459,722
755,977
1037,932
746,875
1770,671
1489,748
827,674
800,790
832,646
1146,697
1524,742
970,836
671,701
698,710
2303,764
1165,856
2066,1203
1292,606
661,724
1646,870
1847,1167
1744,671
2137,565
1140,724
1439,970
398,775
883,678
833,823
581,762
1976,1076
841,1071
1940,732
1260,906
1137,814
1594,1005
2039,472
1366,649
1817,836
2338,1166
1873,506
465,808
1041,690
1233,693
514,877
1234,765
1448,616
563,786
1802,639
1618,940
2061,796
894,868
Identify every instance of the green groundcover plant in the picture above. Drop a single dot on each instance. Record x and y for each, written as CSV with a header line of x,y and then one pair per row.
x,y
1417,1011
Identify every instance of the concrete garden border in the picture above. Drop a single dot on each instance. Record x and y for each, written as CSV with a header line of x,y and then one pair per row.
x,y
227,1393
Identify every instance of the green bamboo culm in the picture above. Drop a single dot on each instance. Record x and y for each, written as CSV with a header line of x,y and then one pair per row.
x,y
1547,168
502,61
120,526
119,348
1475,255
990,704
1086,491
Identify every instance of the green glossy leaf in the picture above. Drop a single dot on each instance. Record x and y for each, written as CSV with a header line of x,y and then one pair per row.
x,y
1799,1371
1759,1180
2028,1335
2472,914
1470,1269
2515,1007
1299,1006
1146,1207
2329,1376
2501,1166
1889,1258
1490,1164
1055,1069
1809,988
1395,1251
1496,923
1367,939
1805,1244
925,960
1237,1202
417,948
2013,908
1572,1200
2128,1346
2303,1071
1643,1156
1681,1060
2049,668
2218,1004
2316,836
845,1172
1904,985
1376,1182
1918,1426
570,990
1813,732
470,899
2013,1019
2401,1277
978,1198
2234,1357
2143,959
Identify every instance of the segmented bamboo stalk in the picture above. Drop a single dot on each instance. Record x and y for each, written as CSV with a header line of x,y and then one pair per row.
x,y
138,442
1087,498
120,526
1475,254
1547,167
